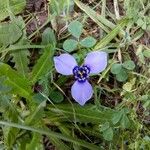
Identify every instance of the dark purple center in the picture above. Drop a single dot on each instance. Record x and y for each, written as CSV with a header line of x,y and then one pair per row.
x,y
81,73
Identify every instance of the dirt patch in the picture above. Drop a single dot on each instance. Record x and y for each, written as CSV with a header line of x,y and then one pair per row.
x,y
37,13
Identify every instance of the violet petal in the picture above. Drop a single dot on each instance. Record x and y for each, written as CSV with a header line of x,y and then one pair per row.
x,y
81,92
96,61
64,64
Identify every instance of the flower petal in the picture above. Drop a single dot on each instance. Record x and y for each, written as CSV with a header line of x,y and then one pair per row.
x,y
96,61
64,64
81,92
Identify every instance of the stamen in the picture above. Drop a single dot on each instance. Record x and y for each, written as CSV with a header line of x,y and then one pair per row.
x,y
81,73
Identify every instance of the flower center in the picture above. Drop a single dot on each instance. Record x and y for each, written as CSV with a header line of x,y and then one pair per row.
x,y
81,73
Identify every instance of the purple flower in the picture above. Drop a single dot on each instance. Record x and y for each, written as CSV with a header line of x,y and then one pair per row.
x,y
94,63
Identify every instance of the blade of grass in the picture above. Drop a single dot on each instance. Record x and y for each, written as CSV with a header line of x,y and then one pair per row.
x,y
111,35
99,19
84,115
116,9
103,13
52,134
21,47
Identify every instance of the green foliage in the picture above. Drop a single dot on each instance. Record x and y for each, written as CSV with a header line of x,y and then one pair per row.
x,y
146,101
44,64
19,84
99,19
108,134
146,53
136,11
57,7
70,45
56,96
116,68
35,143
52,134
75,28
129,65
122,75
9,33
48,37
15,6
88,42
107,131
35,101
132,7
3,88
20,57
122,118
88,114
102,43
121,70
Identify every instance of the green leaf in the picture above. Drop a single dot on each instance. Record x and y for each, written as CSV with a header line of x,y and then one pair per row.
x,y
104,127
70,45
140,22
116,117
56,96
36,115
48,37
122,76
44,83
146,53
44,64
116,68
75,28
15,6
146,105
132,9
57,7
20,57
129,65
8,107
19,84
127,86
125,123
108,134
10,135
38,98
4,88
88,42
125,110
140,55
9,33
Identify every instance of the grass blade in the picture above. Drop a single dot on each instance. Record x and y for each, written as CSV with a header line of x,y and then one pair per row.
x,y
52,134
111,35
99,19
86,114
